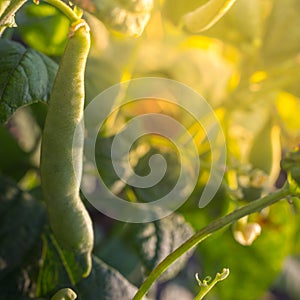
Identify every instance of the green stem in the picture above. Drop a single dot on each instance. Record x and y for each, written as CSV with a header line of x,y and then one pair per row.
x,y
9,13
206,232
65,9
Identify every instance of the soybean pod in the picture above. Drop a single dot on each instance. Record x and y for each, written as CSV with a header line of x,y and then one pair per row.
x,y
61,163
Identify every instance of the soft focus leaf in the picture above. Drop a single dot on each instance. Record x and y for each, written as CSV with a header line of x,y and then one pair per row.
x,y
154,241
206,15
44,28
127,17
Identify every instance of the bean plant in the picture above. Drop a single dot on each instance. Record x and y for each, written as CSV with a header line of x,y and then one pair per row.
x,y
56,57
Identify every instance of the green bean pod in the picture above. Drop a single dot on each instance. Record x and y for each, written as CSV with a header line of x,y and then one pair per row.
x,y
61,163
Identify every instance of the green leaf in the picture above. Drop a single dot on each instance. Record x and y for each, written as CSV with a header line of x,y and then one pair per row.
x,y
26,77
43,28
119,254
21,222
127,17
104,283
166,184
155,240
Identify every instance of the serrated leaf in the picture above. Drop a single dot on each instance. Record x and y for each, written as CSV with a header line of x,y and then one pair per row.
x,y
21,222
104,283
26,77
155,240
127,17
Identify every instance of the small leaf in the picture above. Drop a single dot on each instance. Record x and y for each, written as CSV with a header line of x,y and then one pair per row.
x,y
154,241
26,77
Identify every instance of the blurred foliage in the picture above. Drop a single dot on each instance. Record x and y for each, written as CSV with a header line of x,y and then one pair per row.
x,y
247,66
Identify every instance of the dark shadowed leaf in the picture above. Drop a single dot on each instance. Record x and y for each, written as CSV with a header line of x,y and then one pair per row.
x,y
26,77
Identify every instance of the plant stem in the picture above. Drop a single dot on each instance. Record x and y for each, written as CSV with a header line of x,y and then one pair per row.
x,y
206,232
65,9
9,13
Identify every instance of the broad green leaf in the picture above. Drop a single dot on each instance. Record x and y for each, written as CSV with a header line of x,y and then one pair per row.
x,y
166,184
206,15
21,222
43,28
126,17
26,77
155,240
252,269
119,254
104,283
